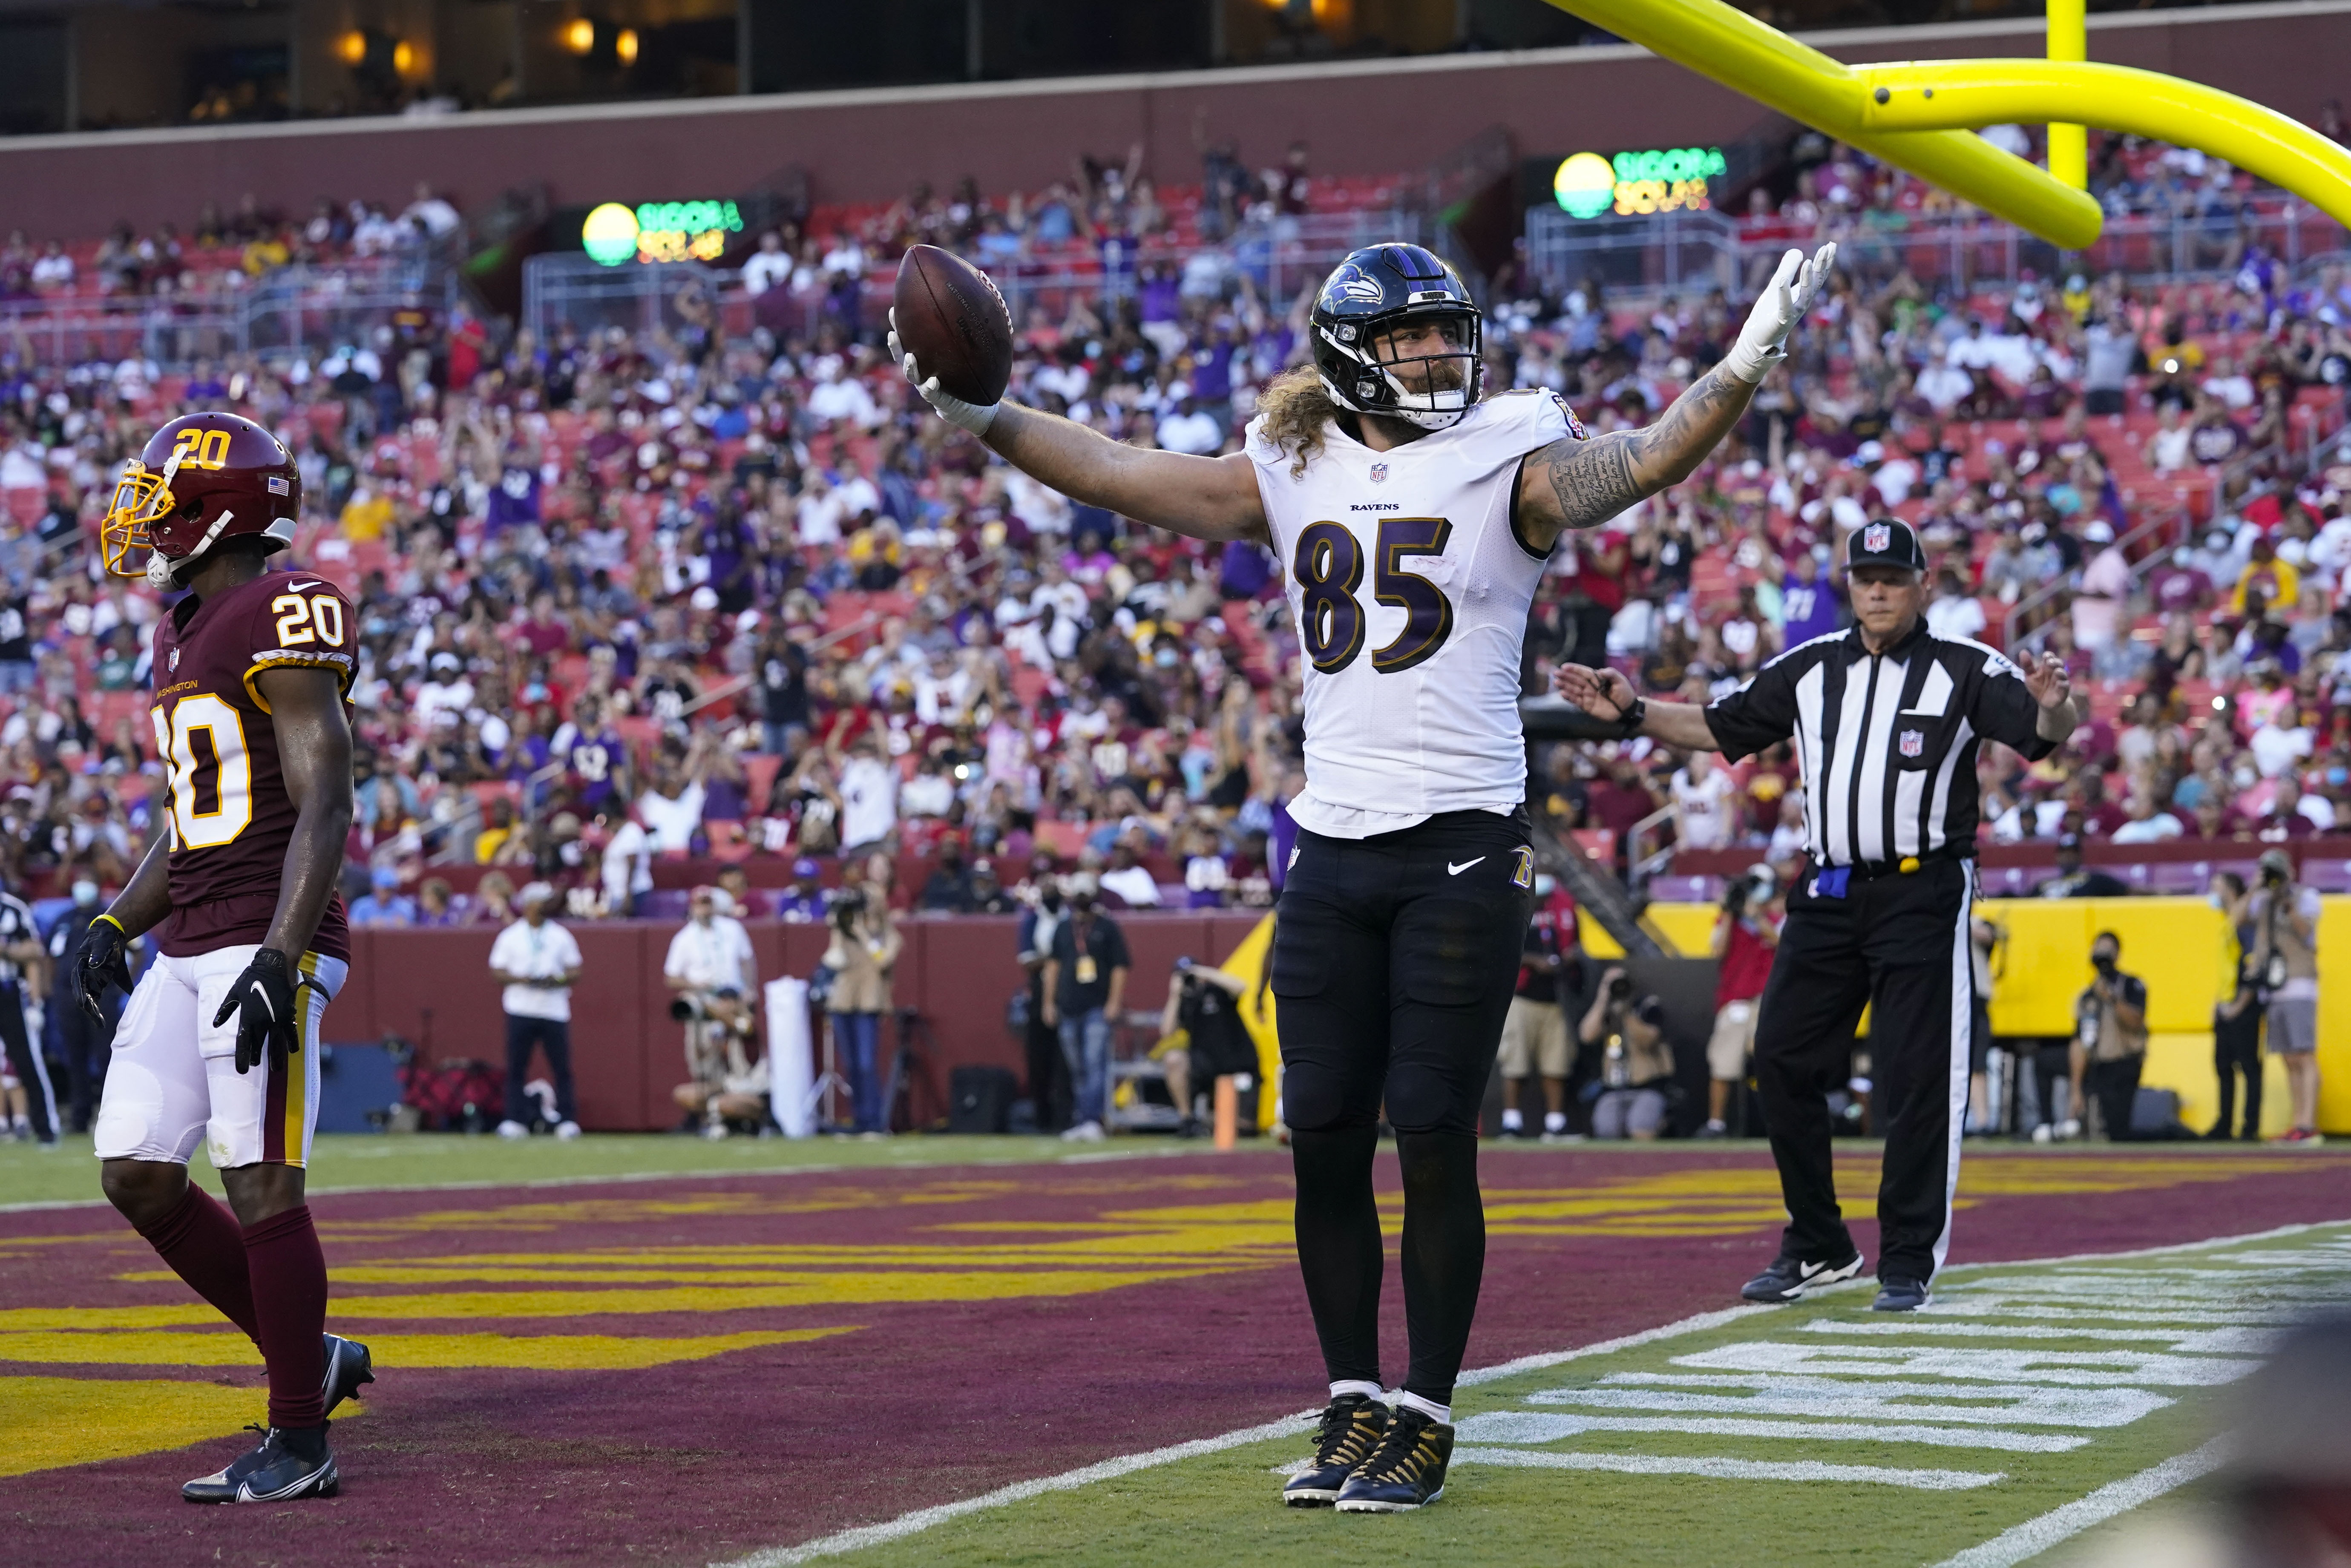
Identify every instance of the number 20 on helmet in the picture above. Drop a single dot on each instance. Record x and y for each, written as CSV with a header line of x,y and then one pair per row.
x,y
201,478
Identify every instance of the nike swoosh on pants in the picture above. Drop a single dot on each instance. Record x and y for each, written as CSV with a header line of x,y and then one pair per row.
x,y
1452,870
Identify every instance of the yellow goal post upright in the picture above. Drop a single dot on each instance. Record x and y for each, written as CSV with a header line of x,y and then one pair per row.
x,y
1921,115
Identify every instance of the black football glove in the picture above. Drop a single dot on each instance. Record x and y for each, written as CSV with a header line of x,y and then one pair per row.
x,y
104,962
263,1001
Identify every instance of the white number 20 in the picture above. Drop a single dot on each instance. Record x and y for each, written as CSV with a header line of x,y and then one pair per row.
x,y
319,618
203,744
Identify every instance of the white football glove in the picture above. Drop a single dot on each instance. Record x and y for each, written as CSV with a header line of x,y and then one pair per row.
x,y
1786,300
972,417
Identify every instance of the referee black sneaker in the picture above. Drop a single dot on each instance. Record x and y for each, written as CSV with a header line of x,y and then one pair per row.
x,y
288,1465
1405,1471
1897,1294
1789,1278
348,1367
1351,1429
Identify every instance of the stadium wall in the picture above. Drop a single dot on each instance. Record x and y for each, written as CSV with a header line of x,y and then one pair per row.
x,y
432,988
1370,117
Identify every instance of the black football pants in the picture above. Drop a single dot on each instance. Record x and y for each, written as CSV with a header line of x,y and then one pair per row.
x,y
1898,944
1394,962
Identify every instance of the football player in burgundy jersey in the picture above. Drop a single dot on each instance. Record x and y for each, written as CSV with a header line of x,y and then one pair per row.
x,y
217,1041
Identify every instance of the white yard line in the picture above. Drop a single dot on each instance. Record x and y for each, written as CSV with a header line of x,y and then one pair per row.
x,y
1730,1469
2035,1536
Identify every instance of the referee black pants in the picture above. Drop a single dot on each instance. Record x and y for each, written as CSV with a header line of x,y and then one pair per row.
x,y
1898,944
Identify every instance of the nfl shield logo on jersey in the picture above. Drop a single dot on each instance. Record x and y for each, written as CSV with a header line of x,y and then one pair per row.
x,y
1876,537
175,658
1379,473
1914,743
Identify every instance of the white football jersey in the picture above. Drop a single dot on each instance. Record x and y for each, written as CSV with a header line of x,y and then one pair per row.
x,y
1410,591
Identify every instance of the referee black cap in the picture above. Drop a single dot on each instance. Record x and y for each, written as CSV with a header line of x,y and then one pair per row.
x,y
1885,541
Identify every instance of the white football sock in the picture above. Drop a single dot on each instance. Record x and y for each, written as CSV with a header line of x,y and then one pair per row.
x,y
1513,1122
1554,1121
1368,1390
1440,1414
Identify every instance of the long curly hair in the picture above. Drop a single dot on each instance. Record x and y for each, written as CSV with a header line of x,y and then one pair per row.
x,y
1296,409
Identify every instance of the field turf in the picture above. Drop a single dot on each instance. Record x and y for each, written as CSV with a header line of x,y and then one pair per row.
x,y
840,1349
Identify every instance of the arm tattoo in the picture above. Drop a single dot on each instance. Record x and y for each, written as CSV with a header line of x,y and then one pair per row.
x,y
1593,480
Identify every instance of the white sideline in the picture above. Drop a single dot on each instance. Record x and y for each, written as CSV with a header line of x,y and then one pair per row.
x,y
1020,1491
921,1518
2035,1536
2011,1546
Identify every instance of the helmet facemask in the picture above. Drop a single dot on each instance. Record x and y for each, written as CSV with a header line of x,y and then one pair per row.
x,y
142,498
1422,366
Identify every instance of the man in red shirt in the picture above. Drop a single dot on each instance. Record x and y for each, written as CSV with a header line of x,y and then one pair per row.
x,y
1535,1036
1745,933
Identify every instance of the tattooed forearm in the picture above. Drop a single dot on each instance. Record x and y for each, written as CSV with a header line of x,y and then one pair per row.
x,y
1671,449
1592,481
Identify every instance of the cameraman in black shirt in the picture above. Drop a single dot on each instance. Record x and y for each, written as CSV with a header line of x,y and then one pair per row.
x,y
1204,1003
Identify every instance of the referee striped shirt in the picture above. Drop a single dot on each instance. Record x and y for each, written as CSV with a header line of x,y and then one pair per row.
x,y
1885,742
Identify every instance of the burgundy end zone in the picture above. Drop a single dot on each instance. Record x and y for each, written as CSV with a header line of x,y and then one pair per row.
x,y
932,1400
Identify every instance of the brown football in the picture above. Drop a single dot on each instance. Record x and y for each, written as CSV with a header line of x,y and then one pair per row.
x,y
952,319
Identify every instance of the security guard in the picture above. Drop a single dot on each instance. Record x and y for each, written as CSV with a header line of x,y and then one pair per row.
x,y
1887,718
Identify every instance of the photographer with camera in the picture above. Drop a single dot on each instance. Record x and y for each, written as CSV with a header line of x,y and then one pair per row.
x,y
2109,1038
1745,934
1084,985
713,975
2236,1022
1637,1066
863,951
2284,919
1204,1003
538,962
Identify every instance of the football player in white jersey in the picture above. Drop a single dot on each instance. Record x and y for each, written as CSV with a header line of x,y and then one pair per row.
x,y
1412,518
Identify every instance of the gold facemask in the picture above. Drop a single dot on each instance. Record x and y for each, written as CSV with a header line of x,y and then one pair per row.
x,y
142,497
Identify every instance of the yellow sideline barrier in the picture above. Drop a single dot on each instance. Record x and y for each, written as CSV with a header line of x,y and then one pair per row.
x,y
2176,945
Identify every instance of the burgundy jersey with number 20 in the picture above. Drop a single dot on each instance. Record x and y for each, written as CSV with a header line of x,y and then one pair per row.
x,y
230,818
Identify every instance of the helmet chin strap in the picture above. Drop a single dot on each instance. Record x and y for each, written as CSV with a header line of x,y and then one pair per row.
x,y
160,569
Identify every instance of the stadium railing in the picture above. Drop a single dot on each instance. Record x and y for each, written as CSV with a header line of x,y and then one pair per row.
x,y
1675,252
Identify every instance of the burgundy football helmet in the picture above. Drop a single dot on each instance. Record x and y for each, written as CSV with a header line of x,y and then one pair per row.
x,y
203,478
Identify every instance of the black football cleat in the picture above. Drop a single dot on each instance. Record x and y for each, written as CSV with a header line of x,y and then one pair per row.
x,y
273,1472
1352,1426
1405,1472
1788,1279
349,1367
1897,1294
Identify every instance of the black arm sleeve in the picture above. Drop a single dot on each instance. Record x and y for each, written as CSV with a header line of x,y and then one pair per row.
x,y
1761,713
2005,710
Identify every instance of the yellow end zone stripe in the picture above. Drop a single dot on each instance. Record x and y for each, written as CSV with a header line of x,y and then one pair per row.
x,y
542,1352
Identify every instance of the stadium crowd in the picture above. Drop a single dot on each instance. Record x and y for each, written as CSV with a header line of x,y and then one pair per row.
x,y
723,590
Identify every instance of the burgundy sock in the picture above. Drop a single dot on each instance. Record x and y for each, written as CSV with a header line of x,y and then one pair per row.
x,y
289,1300
204,1245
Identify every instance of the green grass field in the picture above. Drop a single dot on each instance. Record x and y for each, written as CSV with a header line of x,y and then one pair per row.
x,y
347,1161
1819,1433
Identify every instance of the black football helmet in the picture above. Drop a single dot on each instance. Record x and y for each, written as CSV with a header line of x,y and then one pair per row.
x,y
1366,297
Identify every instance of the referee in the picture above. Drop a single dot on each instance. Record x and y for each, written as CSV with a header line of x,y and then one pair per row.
x,y
1887,718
